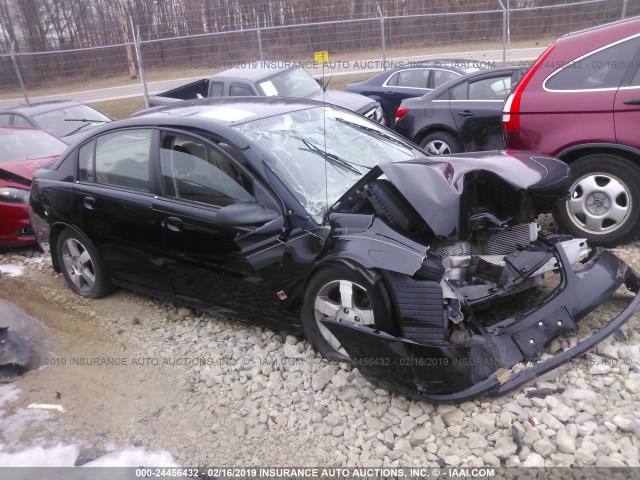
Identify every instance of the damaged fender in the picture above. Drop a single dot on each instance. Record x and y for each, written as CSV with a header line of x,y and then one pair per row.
x,y
441,371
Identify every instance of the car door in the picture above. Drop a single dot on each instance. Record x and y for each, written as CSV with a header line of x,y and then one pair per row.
x,y
225,262
112,205
627,106
476,106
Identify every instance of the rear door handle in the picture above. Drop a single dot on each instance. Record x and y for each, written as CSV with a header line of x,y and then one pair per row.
x,y
172,223
466,113
89,203
633,101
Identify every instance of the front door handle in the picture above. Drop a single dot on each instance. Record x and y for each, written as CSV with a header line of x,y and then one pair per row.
x,y
466,113
172,223
633,101
89,203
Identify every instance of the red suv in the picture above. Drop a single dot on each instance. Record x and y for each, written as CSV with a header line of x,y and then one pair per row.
x,y
580,102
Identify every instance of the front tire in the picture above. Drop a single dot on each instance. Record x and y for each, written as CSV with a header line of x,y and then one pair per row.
x,y
604,206
440,143
82,266
344,294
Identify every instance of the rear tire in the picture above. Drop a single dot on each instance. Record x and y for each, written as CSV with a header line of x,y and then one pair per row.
x,y
604,206
342,293
440,143
82,266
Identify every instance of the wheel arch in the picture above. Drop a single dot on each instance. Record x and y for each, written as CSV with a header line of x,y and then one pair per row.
x,y
54,233
377,278
422,134
351,262
576,152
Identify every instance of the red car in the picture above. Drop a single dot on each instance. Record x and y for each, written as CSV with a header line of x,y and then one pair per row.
x,y
22,152
580,102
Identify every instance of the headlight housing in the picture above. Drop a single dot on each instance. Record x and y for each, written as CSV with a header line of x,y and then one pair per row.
x,y
14,195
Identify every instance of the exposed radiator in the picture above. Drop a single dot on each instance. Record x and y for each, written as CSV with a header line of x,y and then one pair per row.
x,y
507,241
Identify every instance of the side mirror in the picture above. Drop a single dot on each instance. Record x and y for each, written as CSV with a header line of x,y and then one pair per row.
x,y
245,214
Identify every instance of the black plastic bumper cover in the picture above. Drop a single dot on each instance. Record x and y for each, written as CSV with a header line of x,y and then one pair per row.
x,y
446,372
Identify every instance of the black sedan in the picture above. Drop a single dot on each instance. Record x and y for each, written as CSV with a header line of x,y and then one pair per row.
x,y
463,115
414,80
282,209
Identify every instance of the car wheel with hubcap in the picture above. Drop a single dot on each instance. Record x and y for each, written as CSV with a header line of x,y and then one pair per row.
x,y
344,294
440,143
604,203
81,265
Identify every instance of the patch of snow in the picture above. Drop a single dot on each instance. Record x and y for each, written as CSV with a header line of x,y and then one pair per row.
x,y
11,269
8,393
66,455
60,455
134,457
56,456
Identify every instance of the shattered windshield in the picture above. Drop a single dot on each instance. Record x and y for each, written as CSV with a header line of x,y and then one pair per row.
x,y
317,167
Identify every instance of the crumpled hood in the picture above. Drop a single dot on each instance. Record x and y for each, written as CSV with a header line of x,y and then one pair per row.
x,y
434,186
25,168
351,101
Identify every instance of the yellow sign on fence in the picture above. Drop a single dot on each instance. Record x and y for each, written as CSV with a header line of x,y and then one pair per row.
x,y
321,57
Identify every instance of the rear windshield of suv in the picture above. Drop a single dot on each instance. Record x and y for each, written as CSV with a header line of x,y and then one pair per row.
x,y
603,69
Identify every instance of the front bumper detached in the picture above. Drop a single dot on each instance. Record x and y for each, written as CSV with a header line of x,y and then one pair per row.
x,y
448,372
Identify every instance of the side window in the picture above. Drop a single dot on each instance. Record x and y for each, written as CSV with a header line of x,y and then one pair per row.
x,y
495,88
603,69
393,80
20,121
415,78
240,91
86,154
216,89
442,76
459,92
5,119
122,159
193,170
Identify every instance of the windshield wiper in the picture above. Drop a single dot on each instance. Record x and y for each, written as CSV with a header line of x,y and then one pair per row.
x,y
84,120
332,158
372,131
87,122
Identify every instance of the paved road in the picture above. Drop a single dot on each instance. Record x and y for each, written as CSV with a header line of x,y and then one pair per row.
x,y
486,59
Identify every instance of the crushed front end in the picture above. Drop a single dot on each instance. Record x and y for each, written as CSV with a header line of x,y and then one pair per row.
x,y
423,361
478,293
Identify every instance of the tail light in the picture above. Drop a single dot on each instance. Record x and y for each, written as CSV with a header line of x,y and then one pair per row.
x,y
511,110
401,112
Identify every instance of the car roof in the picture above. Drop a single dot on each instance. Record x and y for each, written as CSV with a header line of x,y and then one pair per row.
x,y
214,114
257,70
456,64
441,88
633,24
41,107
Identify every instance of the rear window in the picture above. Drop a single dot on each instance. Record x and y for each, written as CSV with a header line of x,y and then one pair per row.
x,y
603,69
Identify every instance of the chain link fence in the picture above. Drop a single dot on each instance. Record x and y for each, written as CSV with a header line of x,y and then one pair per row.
x,y
357,48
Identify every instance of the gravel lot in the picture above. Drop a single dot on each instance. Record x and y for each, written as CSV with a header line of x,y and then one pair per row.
x,y
265,398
